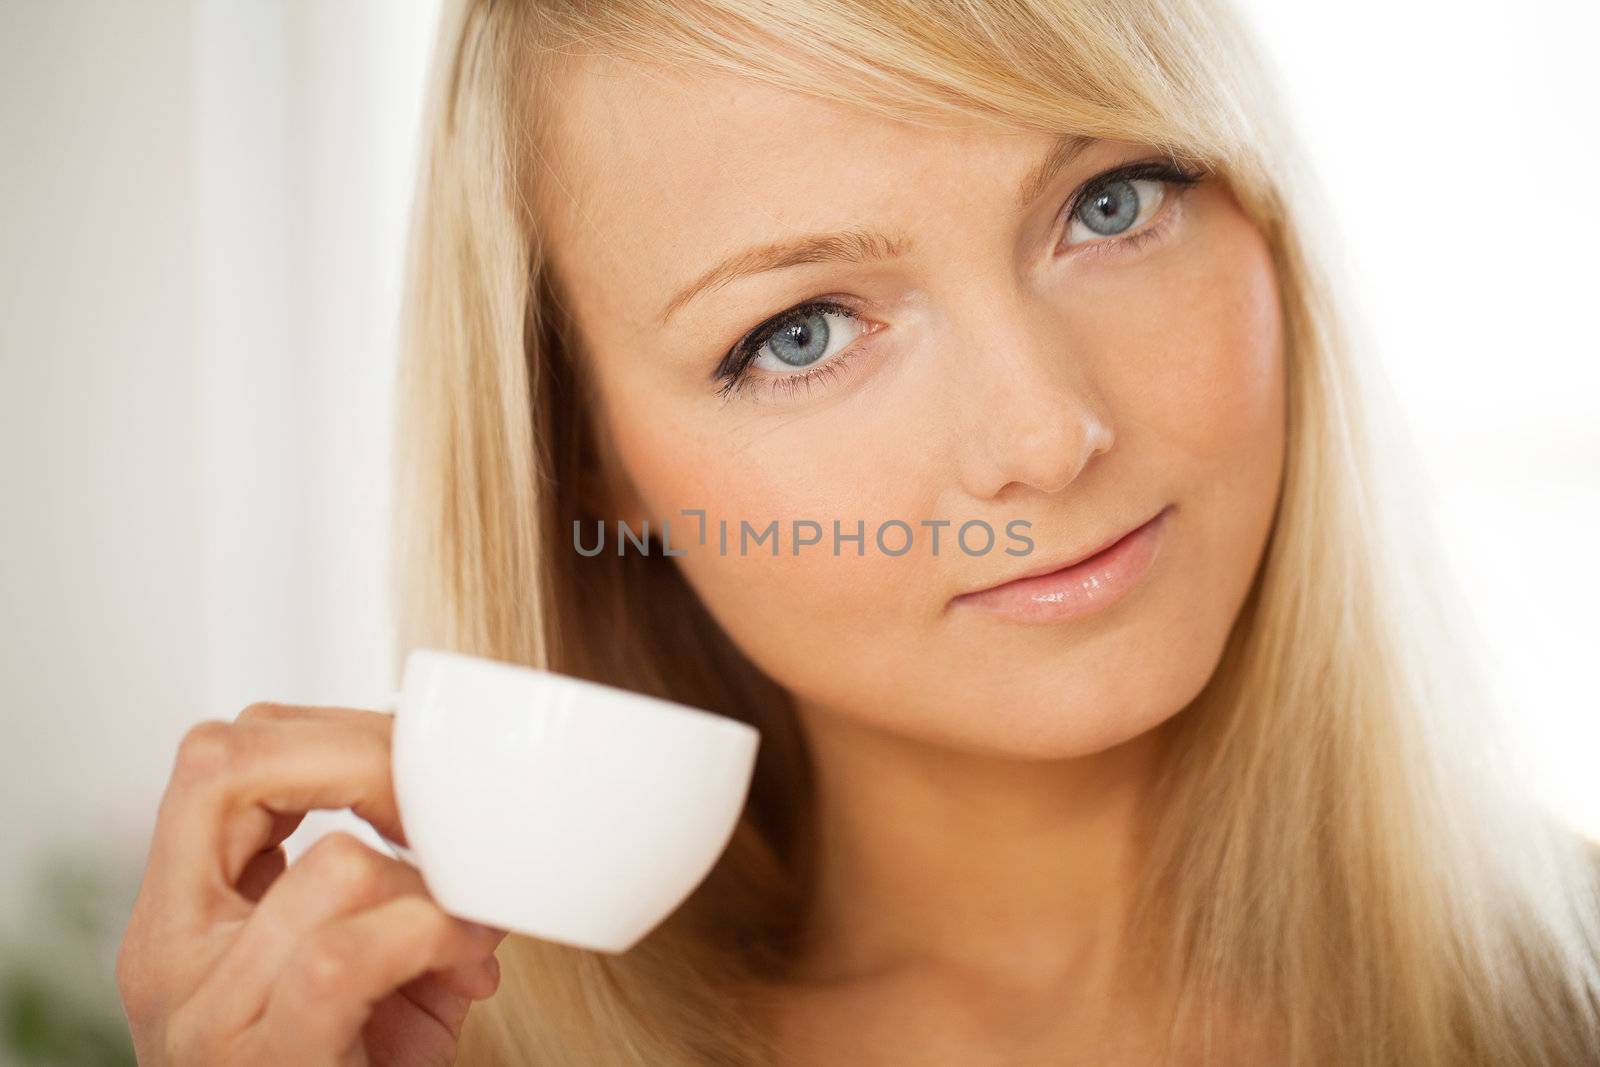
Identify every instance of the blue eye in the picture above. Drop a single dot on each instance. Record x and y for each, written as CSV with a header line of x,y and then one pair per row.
x,y
803,338
796,348
1112,209
1116,207
801,343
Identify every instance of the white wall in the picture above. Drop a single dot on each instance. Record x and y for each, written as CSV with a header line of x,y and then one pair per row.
x,y
103,626
200,227
1454,140
200,236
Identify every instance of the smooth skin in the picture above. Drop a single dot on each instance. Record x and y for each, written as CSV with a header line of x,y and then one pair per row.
x,y
978,776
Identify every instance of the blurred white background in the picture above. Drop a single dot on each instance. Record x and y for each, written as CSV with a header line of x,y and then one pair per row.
x,y
200,245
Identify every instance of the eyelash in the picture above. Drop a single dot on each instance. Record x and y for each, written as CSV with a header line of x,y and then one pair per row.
x,y
731,371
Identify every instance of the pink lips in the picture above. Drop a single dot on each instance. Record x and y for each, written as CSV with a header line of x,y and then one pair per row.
x,y
1090,585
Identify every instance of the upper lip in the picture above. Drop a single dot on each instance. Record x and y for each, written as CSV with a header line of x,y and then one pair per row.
x,y
1071,561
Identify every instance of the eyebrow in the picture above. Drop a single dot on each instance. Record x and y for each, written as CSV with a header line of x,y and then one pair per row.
x,y
856,246
1063,151
850,246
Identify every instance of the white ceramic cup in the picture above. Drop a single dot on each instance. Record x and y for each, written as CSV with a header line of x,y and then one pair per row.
x,y
557,807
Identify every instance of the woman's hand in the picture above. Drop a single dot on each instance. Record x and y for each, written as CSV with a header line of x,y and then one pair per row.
x,y
342,958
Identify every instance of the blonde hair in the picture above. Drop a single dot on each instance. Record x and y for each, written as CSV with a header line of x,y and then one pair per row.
x,y
1338,841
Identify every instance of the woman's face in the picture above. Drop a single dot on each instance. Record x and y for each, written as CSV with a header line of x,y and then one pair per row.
x,y
1070,367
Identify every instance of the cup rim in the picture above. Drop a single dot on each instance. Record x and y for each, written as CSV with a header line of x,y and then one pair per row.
x,y
701,716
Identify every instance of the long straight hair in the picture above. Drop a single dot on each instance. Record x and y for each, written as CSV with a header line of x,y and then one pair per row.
x,y
1340,841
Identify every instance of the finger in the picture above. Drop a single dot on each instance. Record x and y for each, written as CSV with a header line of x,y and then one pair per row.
x,y
284,824
338,876
270,711
398,1031
339,972
392,1033
447,1000
262,870
380,726
474,981
235,785
437,998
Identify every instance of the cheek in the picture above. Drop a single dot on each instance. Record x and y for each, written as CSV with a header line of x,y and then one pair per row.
x,y
1197,370
1188,354
832,629
1203,402
777,606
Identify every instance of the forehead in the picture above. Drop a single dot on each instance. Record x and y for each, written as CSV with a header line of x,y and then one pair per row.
x,y
654,174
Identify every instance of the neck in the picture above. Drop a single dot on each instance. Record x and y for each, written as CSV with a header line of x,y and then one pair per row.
x,y
1006,869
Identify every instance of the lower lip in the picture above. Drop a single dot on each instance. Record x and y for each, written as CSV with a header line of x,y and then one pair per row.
x,y
1081,589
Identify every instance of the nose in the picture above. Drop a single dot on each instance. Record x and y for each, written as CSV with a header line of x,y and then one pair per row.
x,y
1033,416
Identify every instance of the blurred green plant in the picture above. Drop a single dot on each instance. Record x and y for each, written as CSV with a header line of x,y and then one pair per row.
x,y
58,998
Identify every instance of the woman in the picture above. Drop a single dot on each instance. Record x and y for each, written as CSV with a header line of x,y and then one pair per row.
x,y
1213,794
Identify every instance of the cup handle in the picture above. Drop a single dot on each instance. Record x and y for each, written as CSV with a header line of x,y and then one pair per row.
x,y
400,852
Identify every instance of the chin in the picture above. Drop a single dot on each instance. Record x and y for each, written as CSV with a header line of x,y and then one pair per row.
x,y
1075,705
